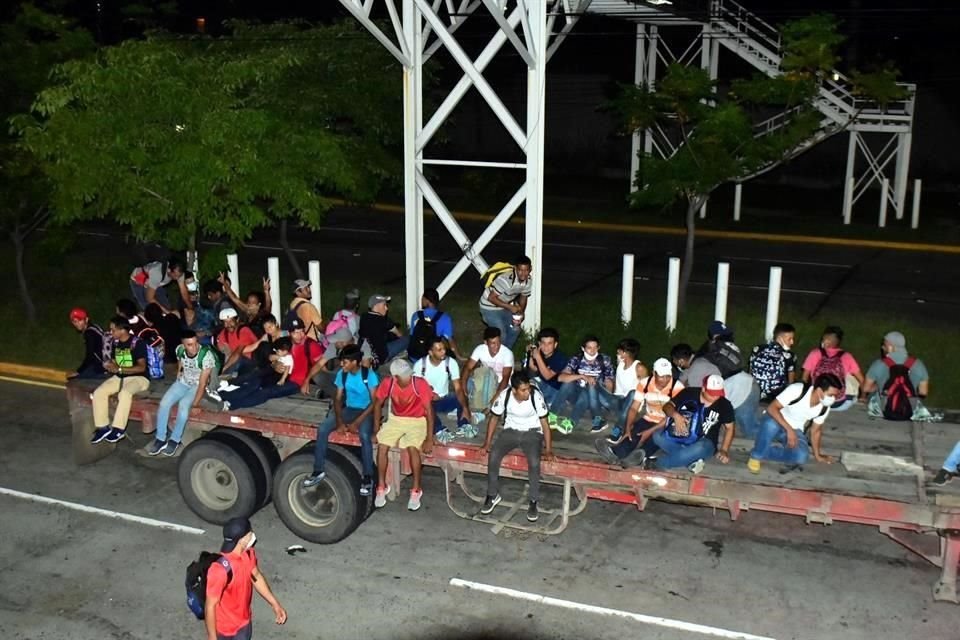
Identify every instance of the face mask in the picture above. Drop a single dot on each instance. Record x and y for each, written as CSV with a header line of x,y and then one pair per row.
x,y
619,358
828,401
785,347
253,540
591,358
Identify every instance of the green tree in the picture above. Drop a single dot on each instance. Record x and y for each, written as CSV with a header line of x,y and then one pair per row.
x,y
31,44
718,136
179,137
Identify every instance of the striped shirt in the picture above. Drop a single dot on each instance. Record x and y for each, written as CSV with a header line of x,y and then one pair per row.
x,y
507,287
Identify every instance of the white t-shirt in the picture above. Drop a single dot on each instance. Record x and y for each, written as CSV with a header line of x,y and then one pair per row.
x,y
286,361
627,378
799,413
498,363
437,375
521,416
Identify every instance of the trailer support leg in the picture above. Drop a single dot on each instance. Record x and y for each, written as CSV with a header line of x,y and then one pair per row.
x,y
946,588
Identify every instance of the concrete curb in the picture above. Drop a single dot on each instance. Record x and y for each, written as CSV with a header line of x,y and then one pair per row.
x,y
43,374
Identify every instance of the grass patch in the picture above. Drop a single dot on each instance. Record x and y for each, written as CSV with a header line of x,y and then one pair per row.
x,y
95,279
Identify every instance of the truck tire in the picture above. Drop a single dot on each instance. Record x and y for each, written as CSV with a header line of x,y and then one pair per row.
x,y
217,482
351,457
259,453
323,514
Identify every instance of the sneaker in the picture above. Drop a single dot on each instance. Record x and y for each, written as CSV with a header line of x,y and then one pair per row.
x,y
115,435
99,435
754,465
598,425
489,504
445,436
943,477
606,451
155,447
615,434
314,479
225,406
366,485
637,458
468,431
561,424
413,504
171,448
462,423
552,420
696,467
381,499
533,513
214,395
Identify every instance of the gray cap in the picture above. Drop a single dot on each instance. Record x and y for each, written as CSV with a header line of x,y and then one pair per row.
x,y
376,299
353,294
401,368
301,284
896,339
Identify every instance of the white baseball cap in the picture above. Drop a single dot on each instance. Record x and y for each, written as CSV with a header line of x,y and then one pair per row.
x,y
228,312
713,385
662,367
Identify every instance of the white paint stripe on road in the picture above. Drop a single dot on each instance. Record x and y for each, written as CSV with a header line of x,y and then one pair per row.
x,y
805,263
603,611
161,524
33,383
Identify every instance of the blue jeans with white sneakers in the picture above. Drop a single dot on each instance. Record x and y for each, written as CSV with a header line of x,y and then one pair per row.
x,y
181,395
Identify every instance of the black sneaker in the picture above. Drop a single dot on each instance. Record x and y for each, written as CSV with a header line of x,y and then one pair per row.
x,y
100,434
637,458
943,477
533,513
171,448
366,485
155,447
489,504
115,435
314,479
606,451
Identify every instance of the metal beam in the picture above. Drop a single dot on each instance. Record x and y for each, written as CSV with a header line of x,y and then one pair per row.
x,y
412,158
436,44
536,123
511,34
374,30
567,28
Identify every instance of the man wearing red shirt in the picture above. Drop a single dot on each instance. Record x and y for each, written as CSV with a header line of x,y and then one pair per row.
x,y
227,613
307,357
411,410
231,341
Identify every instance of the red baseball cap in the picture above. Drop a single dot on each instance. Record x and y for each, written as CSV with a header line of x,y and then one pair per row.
x,y
78,313
713,386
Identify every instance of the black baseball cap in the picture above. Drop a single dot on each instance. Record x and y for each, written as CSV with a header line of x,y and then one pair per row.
x,y
296,323
235,529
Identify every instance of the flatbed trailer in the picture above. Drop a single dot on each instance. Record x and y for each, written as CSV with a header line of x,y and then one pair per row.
x,y
235,463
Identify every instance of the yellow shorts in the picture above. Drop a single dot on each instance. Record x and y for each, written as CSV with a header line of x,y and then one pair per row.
x,y
403,432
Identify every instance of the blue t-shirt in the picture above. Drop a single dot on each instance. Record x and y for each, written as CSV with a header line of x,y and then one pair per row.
x,y
357,395
557,361
444,327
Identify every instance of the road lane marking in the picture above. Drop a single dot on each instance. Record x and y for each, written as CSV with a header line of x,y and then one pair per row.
x,y
803,263
33,383
117,515
603,611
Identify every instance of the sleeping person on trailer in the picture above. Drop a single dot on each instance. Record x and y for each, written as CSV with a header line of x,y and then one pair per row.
x,y
523,412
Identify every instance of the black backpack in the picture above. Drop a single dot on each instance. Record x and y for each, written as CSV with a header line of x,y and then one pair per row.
x,y
292,315
898,390
196,581
364,375
423,333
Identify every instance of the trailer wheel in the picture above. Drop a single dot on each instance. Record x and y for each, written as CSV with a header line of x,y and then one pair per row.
x,y
347,457
323,514
217,482
259,453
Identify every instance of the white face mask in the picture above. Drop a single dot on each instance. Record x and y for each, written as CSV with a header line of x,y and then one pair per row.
x,y
591,358
785,347
253,540
828,401
620,357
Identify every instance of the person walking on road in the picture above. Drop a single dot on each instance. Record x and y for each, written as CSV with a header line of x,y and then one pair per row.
x,y
227,612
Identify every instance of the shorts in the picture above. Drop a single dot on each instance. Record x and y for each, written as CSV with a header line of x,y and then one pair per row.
x,y
403,432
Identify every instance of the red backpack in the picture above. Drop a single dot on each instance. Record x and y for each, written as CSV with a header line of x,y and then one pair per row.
x,y
898,390
832,365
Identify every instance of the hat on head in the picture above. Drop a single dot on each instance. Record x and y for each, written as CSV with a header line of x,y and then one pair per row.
x,y
432,295
897,339
662,367
228,312
718,328
353,294
295,324
713,385
301,284
376,299
235,529
78,313
401,368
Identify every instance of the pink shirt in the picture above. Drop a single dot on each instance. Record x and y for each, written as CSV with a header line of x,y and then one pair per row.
x,y
849,362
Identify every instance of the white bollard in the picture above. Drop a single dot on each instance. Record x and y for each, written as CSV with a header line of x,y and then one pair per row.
x,y
773,300
848,202
626,291
313,269
723,286
673,293
737,200
884,190
233,272
915,216
273,272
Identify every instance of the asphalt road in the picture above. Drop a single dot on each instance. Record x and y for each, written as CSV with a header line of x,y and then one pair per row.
x,y
68,574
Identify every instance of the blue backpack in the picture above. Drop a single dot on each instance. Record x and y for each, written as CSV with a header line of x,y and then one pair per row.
x,y
694,425
156,350
196,581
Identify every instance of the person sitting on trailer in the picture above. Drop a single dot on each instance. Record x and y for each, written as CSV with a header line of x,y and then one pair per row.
x,y
787,419
897,383
830,358
545,361
443,374
487,372
523,412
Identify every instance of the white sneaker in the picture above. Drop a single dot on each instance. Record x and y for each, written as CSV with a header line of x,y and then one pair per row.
x,y
381,499
413,504
696,467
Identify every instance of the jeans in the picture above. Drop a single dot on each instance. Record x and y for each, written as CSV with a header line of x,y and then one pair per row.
x,y
181,395
446,404
242,367
250,393
952,463
396,347
747,416
549,391
626,446
530,443
588,397
325,428
140,295
769,433
244,633
845,405
503,320
676,455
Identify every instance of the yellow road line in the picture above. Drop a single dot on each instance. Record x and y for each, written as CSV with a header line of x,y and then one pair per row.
x,y
703,233
20,371
33,383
